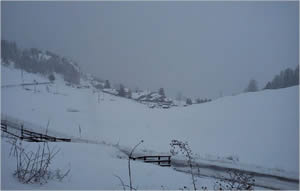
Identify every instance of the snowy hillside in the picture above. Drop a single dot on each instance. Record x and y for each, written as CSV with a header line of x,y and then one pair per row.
x,y
259,130
41,62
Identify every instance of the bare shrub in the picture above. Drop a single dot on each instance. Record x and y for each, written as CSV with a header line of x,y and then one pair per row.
x,y
236,180
184,148
33,166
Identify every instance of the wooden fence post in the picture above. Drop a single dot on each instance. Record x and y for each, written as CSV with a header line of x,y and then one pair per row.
x,y
21,131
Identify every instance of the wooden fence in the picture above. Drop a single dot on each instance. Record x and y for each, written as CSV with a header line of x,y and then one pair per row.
x,y
26,84
20,132
158,159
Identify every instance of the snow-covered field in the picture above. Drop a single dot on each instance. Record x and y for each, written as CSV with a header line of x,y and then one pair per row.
x,y
261,129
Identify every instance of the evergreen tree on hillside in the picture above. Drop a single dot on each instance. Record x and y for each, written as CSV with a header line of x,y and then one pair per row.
x,y
161,92
122,92
9,52
252,86
276,83
296,77
286,78
129,95
107,84
51,77
198,100
268,86
189,101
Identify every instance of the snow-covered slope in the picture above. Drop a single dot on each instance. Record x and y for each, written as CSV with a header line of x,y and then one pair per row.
x,y
259,128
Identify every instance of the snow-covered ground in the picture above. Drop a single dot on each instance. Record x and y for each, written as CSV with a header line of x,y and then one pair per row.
x,y
260,129
95,167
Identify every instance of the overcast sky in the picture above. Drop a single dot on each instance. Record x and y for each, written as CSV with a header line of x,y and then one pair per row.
x,y
197,48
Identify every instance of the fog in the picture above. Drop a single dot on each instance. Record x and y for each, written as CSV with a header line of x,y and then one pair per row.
x,y
201,49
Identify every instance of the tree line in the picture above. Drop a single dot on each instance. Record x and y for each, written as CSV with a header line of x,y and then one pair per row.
x,y
286,78
35,61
